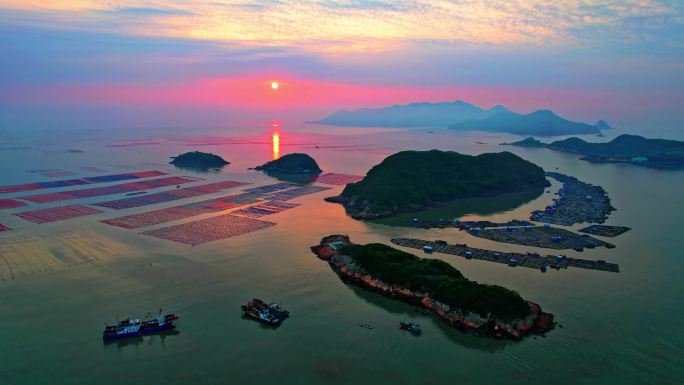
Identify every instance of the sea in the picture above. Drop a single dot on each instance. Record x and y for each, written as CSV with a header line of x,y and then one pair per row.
x,y
61,282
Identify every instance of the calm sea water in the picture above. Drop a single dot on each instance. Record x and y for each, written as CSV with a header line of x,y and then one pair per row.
x,y
617,328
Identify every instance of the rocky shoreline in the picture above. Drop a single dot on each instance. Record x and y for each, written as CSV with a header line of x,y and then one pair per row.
x,y
538,322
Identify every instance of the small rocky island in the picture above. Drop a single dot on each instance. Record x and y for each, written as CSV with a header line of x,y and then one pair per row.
x,y
198,160
292,164
434,285
632,149
416,180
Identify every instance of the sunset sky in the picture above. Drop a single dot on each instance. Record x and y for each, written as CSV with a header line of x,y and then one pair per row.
x,y
111,63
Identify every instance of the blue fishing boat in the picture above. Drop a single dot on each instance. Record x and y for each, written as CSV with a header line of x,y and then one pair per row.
x,y
135,327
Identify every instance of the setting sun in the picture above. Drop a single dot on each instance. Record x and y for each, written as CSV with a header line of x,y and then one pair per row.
x,y
275,85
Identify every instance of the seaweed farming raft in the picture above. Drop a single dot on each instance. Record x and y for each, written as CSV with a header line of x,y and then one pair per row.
x,y
540,236
529,260
578,202
605,231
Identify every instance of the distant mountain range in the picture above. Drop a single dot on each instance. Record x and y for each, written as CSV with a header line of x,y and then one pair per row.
x,y
411,115
460,115
540,123
633,149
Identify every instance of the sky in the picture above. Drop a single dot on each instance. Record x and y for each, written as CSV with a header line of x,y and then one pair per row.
x,y
114,64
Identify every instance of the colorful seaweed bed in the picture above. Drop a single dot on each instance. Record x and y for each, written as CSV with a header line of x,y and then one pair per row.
x,y
168,196
208,230
78,182
266,208
108,190
337,179
175,213
296,192
55,214
10,204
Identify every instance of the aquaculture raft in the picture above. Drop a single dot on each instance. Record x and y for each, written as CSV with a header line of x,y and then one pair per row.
x,y
10,204
55,214
578,202
337,179
605,231
207,230
4,228
109,190
540,236
529,260
78,182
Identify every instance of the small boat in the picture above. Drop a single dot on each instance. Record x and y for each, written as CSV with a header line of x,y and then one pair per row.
x,y
135,327
410,327
267,313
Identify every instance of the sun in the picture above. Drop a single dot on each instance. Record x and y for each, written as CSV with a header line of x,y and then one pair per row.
x,y
275,85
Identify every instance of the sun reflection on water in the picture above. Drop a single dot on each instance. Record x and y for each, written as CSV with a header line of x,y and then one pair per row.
x,y
275,139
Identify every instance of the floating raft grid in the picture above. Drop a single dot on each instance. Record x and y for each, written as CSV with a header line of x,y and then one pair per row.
x,y
296,192
208,230
529,260
168,196
10,204
175,213
79,182
109,190
266,208
55,214
539,236
337,179
4,228
605,231
270,188
579,202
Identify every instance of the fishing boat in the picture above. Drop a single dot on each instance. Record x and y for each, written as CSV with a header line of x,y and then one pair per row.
x,y
267,313
410,327
134,327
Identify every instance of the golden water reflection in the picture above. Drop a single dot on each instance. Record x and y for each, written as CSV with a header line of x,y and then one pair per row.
x,y
276,144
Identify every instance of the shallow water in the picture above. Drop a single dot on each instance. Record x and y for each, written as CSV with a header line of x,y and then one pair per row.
x,y
72,276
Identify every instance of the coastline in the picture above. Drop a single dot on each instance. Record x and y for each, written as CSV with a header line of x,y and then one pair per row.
x,y
539,322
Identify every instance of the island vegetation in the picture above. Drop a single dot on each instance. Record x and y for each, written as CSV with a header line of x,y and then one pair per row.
x,y
434,285
632,149
292,164
199,160
416,180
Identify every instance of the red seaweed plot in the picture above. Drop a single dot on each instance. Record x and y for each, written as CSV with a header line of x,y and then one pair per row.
x,y
168,196
10,204
296,192
78,182
266,208
338,179
4,228
208,230
155,217
270,188
59,213
108,190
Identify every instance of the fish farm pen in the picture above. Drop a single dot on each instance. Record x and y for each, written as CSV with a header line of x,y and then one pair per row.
x,y
578,202
529,260
463,225
605,231
540,236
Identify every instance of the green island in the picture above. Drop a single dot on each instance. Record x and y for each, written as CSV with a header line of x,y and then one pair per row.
x,y
292,164
631,149
411,181
198,160
434,285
